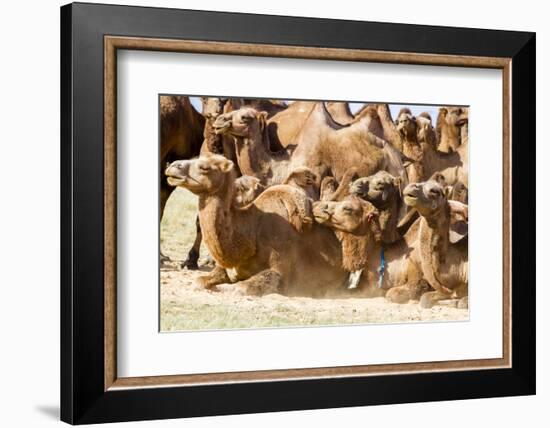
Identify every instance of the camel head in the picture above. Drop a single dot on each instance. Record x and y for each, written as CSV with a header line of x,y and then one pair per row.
x,y
425,132
406,123
355,223
205,174
245,122
247,188
212,107
456,192
379,189
351,215
449,122
428,198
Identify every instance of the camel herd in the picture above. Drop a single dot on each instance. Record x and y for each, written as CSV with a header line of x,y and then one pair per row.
x,y
305,198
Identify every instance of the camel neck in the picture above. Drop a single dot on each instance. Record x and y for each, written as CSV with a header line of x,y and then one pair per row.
x,y
357,250
434,243
449,138
228,242
255,158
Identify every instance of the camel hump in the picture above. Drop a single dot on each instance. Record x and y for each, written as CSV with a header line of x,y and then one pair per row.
x,y
289,202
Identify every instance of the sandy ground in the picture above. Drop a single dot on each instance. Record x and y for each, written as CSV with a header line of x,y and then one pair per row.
x,y
186,306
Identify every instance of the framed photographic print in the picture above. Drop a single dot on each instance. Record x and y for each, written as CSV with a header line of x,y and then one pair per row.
x,y
266,213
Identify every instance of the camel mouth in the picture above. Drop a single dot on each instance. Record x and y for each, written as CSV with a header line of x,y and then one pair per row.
x,y
321,215
410,199
222,128
175,181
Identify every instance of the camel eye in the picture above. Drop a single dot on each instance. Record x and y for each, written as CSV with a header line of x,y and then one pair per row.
x,y
434,192
347,210
204,168
247,119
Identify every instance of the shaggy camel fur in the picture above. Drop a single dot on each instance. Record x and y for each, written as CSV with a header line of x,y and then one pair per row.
x,y
322,145
260,242
431,259
181,128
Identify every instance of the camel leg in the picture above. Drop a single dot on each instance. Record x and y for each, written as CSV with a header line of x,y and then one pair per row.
x,y
210,280
404,293
165,192
191,262
264,282
431,298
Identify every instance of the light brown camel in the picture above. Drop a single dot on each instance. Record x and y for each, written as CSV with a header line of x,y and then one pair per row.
x,y
181,136
322,145
261,242
212,107
443,244
431,260
248,128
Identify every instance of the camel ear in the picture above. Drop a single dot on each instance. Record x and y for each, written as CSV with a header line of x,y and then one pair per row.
x,y
262,118
226,165
443,111
458,228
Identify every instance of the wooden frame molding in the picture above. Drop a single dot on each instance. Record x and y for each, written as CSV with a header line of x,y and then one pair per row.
x,y
113,43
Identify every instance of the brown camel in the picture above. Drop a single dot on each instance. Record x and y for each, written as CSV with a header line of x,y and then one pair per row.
x,y
248,128
430,261
212,107
383,190
450,120
322,145
443,248
260,242
181,129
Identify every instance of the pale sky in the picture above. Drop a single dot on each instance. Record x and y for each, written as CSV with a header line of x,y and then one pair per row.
x,y
394,108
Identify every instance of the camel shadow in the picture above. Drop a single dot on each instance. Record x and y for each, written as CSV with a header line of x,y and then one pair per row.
x,y
51,411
